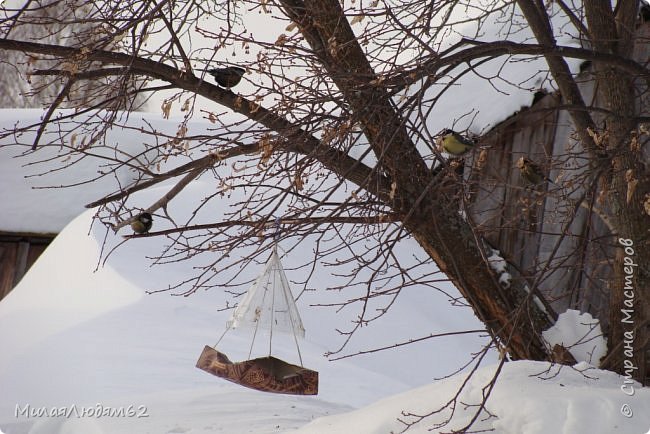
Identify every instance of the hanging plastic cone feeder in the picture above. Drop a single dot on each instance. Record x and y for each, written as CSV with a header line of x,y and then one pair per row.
x,y
268,304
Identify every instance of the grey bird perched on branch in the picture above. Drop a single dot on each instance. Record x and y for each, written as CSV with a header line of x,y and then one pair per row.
x,y
531,171
142,223
453,143
227,77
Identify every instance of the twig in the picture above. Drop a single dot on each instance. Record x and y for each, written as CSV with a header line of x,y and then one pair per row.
x,y
379,219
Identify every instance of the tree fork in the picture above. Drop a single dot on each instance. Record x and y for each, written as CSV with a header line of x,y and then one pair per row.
x,y
428,213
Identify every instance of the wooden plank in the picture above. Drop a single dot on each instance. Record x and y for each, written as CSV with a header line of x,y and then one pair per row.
x,y
21,261
35,250
7,267
506,211
487,185
17,254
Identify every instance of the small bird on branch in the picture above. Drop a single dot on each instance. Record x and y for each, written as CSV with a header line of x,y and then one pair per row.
x,y
142,223
531,171
227,77
453,143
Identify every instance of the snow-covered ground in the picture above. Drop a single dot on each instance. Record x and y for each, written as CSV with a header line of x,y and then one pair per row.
x,y
73,336
75,340
529,398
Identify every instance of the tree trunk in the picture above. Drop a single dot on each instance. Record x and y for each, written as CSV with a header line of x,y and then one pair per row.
x,y
630,291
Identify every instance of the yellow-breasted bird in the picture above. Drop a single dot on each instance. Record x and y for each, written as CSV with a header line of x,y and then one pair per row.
x,y
142,223
531,172
453,143
227,77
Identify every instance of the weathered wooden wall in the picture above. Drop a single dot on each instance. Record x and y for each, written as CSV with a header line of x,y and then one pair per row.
x,y
17,254
556,244
565,249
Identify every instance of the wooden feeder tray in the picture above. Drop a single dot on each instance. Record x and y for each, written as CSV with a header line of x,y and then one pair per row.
x,y
268,374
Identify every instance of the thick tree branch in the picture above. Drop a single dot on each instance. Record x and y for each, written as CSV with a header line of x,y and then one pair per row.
x,y
84,75
454,57
296,140
540,25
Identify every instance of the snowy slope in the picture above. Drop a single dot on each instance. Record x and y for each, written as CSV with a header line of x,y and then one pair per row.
x,y
529,398
73,336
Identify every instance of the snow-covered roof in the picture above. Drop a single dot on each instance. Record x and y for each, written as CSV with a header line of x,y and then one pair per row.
x,y
28,206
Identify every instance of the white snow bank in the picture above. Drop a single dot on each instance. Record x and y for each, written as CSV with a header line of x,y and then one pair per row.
x,y
60,291
222,408
529,398
580,334
73,336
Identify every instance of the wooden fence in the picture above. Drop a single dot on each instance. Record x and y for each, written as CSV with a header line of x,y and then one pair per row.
x,y
17,253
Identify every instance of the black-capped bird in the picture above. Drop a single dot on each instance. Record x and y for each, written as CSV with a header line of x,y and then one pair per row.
x,y
227,77
531,172
142,223
453,143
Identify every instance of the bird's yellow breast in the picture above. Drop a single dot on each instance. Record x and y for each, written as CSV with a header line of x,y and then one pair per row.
x,y
454,146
